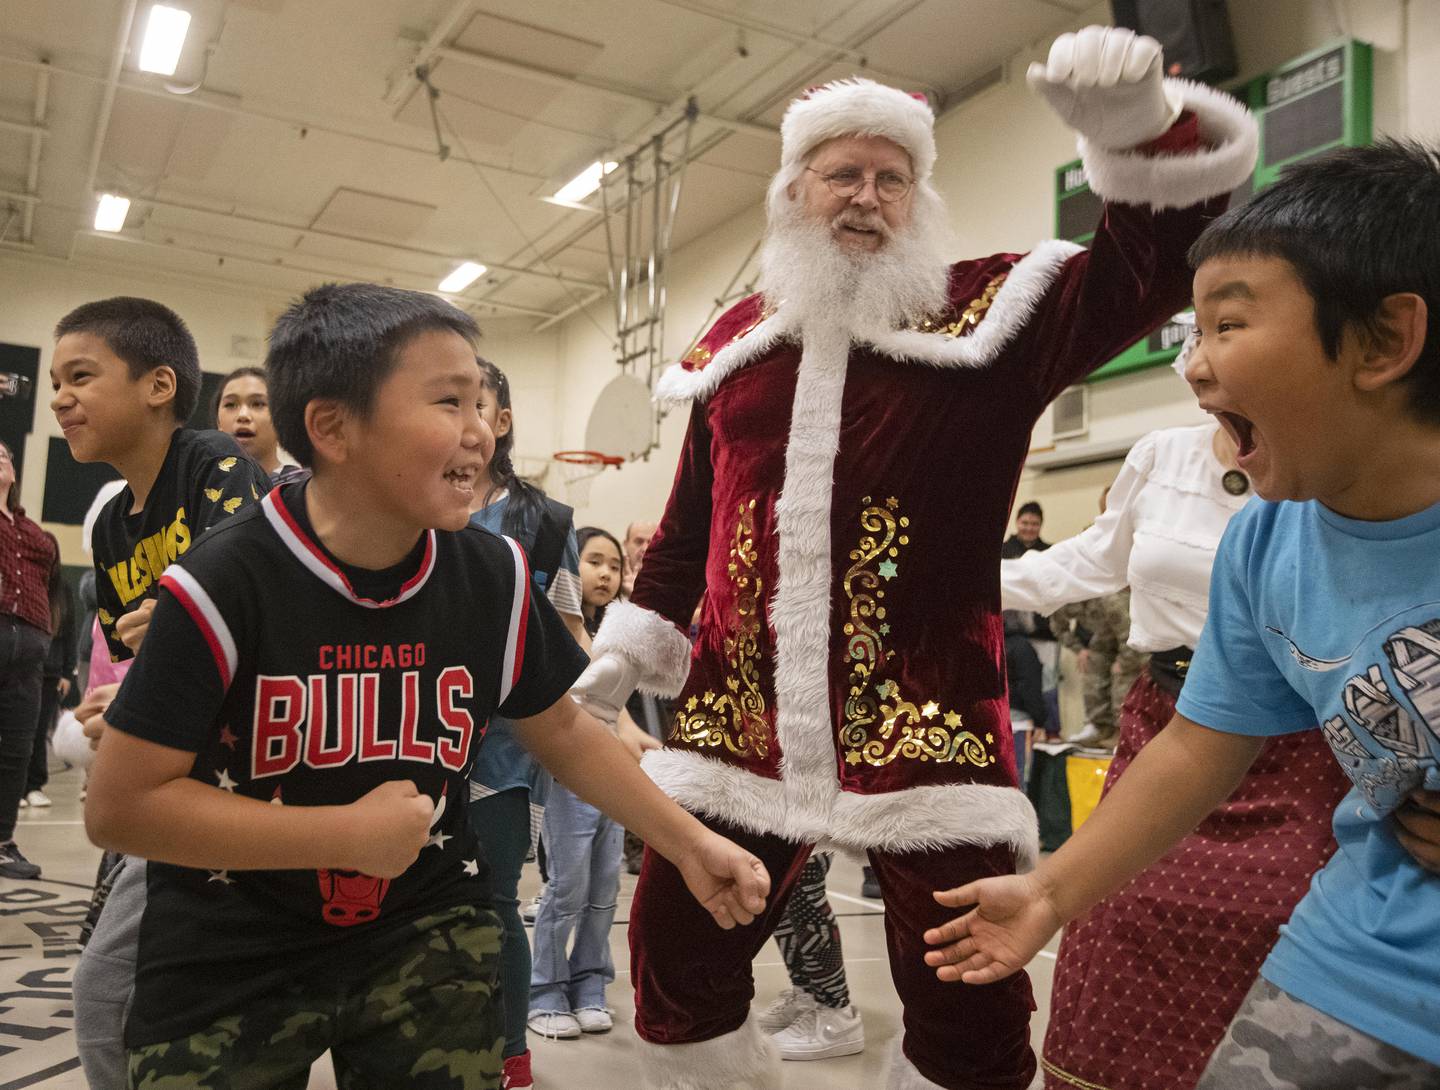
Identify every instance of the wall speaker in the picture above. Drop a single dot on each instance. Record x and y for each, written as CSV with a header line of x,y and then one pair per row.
x,y
1195,34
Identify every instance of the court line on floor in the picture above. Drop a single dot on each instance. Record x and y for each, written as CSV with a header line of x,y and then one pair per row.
x,y
38,1076
23,823
863,902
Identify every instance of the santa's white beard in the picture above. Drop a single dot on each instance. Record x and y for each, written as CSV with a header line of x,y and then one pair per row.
x,y
804,266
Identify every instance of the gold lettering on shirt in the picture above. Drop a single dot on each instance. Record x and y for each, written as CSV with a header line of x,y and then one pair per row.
x,y
153,554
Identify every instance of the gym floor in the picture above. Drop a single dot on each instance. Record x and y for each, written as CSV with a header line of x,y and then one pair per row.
x,y
40,923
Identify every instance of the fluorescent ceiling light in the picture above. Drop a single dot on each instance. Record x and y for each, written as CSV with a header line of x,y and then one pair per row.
x,y
110,212
584,183
165,32
463,276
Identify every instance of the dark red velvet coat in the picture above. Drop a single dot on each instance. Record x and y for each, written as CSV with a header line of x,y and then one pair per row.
x,y
840,506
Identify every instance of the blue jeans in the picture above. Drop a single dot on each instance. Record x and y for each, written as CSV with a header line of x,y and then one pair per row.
x,y
583,847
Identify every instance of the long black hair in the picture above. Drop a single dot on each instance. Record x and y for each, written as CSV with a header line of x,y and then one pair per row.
x,y
582,538
527,503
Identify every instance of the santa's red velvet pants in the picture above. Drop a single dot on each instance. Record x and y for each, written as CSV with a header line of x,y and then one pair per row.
x,y
693,981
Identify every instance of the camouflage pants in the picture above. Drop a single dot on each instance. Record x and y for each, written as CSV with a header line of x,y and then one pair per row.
x,y
1277,1042
427,1018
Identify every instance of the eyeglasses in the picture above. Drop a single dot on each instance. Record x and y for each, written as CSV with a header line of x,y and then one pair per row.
x,y
890,186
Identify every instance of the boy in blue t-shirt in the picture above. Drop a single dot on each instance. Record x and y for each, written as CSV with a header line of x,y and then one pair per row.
x,y
1317,350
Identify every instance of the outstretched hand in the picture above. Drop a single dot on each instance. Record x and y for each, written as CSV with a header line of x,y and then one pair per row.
x,y
1011,922
730,882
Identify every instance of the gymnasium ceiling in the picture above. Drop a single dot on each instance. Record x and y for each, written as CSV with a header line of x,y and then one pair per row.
x,y
295,144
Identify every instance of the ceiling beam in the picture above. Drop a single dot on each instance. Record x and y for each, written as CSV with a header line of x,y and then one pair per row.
x,y
624,95
397,247
22,126
404,83
290,265
32,171
227,105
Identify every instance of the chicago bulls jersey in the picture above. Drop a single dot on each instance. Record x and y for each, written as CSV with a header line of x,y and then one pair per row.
x,y
300,681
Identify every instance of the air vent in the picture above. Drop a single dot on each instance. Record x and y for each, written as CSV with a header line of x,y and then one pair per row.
x,y
1070,414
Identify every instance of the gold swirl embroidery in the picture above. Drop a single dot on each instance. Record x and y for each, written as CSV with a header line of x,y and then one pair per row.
x,y
971,316
901,728
734,719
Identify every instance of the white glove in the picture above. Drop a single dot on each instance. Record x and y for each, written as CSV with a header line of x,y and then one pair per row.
x,y
605,686
1106,84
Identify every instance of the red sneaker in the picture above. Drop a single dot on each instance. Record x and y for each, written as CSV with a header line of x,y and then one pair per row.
x,y
517,1072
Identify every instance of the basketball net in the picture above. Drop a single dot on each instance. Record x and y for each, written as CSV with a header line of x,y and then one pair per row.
x,y
578,470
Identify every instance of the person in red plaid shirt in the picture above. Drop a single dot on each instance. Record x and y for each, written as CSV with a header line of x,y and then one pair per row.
x,y
27,556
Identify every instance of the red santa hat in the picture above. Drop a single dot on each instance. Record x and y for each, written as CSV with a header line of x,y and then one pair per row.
x,y
859,107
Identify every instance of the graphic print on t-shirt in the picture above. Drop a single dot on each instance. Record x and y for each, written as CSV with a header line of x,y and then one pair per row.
x,y
1386,733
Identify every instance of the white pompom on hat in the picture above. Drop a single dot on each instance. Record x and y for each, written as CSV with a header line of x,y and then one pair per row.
x,y
859,107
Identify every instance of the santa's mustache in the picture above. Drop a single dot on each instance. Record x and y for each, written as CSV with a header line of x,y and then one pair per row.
x,y
861,221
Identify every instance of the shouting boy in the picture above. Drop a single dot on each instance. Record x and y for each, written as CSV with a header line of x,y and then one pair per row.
x,y
1317,351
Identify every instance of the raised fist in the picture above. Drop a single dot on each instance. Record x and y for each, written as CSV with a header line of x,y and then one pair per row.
x,y
388,827
1106,84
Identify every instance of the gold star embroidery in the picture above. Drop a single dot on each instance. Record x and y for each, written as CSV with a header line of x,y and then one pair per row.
x,y
212,494
227,464
853,757
952,719
892,503
930,709
231,505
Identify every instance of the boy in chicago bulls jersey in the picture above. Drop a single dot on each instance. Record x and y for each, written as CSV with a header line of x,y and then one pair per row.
x,y
292,746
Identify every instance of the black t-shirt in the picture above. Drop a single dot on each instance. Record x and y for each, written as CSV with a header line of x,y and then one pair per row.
x,y
205,478
297,680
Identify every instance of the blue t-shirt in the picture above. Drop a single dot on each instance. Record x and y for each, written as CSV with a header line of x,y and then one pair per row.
x,y
1323,622
503,763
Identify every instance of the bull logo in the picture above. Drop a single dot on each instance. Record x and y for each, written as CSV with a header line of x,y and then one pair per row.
x,y
350,897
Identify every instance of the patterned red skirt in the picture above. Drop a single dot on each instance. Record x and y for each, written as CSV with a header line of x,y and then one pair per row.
x,y
1147,982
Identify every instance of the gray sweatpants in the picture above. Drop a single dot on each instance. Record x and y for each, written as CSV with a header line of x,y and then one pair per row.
x,y
105,981
1276,1042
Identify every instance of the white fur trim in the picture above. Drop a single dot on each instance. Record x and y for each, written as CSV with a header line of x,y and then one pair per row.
x,y
1030,278
859,107
1178,181
912,820
678,386
1014,304
800,615
904,1075
659,652
716,1064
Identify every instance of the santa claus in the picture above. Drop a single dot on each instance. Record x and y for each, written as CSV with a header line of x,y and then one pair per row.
x,y
857,430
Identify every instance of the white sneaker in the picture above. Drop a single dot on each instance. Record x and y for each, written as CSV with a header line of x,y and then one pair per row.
x,y
530,909
788,1006
37,798
557,1025
822,1032
594,1020
1088,735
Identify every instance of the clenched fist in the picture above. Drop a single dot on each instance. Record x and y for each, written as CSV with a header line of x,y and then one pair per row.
x,y
388,827
1106,84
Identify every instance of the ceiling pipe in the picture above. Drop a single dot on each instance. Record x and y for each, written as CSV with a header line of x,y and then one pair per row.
x,y
21,198
32,173
107,97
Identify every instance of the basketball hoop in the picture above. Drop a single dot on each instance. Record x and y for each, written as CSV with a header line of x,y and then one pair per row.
x,y
580,468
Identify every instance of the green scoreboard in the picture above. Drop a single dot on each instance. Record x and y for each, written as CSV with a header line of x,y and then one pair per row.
x,y
1312,104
